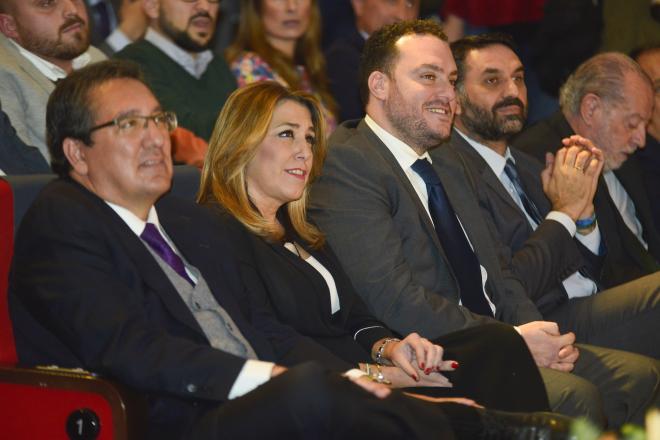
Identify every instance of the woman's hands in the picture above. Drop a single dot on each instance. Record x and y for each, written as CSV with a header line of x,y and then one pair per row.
x,y
417,357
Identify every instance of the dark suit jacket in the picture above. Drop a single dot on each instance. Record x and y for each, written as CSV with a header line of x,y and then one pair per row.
x,y
627,258
85,291
542,258
299,295
387,244
15,156
343,77
649,160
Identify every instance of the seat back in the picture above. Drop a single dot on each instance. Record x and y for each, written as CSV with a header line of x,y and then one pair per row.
x,y
7,347
185,183
63,402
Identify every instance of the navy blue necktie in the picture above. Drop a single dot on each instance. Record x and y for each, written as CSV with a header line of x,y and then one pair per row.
x,y
530,208
461,257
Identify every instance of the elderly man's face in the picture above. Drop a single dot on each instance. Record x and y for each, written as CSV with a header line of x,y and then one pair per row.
x,y
190,25
620,128
372,15
650,63
130,168
53,29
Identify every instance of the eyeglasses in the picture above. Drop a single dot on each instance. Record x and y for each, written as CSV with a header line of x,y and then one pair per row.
x,y
131,124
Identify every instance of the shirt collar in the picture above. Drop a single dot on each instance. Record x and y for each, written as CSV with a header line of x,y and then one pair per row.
x,y
196,66
135,223
494,160
403,153
48,69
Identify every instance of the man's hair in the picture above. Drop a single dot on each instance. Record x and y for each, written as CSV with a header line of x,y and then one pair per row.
x,y
380,50
70,112
603,75
461,48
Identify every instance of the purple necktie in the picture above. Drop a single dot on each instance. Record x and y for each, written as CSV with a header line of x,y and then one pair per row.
x,y
160,246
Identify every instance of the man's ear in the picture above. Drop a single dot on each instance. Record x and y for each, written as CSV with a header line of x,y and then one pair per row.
x,y
151,8
379,85
76,153
8,26
591,107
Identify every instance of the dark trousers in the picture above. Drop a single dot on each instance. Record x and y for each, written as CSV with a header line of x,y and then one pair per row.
x,y
495,369
308,402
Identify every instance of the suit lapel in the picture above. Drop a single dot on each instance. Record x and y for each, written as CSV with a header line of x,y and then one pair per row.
x,y
402,179
483,169
530,175
150,272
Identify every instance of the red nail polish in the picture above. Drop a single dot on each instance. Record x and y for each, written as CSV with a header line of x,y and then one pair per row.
x,y
416,378
422,366
427,371
454,365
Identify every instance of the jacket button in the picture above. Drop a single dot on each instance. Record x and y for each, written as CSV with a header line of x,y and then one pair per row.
x,y
191,388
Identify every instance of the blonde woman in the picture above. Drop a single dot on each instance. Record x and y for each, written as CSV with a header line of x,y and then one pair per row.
x,y
268,144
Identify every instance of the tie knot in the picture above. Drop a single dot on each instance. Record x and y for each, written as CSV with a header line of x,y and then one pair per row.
x,y
150,231
425,170
510,170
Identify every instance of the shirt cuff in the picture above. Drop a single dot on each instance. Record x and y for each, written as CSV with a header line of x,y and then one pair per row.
x,y
354,373
117,40
591,241
564,219
518,330
253,374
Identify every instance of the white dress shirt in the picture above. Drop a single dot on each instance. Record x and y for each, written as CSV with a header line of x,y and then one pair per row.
x,y
50,70
575,285
254,372
625,205
406,157
325,273
194,65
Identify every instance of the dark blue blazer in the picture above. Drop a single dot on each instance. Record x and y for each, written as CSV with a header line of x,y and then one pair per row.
x,y
15,156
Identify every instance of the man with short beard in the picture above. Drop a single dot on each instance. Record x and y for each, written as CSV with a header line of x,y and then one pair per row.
x,y
554,242
178,65
40,43
408,230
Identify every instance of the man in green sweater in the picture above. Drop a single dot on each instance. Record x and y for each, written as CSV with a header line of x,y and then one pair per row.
x,y
179,66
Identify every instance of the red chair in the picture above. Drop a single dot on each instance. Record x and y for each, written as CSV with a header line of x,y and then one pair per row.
x,y
38,403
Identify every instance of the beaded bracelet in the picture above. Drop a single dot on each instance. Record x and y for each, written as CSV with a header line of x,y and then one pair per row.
x,y
587,222
379,353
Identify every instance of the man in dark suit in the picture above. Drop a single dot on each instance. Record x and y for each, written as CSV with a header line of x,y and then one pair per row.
x,y
343,55
648,59
554,241
112,276
412,239
15,156
609,100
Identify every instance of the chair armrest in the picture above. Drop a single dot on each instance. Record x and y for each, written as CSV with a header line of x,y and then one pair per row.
x,y
48,403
